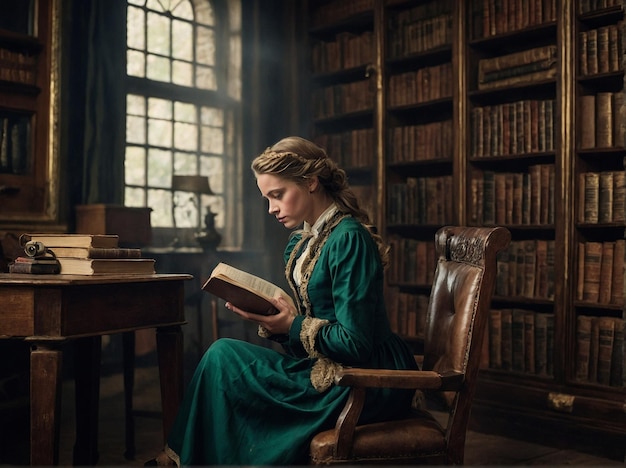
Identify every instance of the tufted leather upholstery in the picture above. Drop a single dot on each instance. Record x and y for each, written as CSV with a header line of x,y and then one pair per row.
x,y
455,325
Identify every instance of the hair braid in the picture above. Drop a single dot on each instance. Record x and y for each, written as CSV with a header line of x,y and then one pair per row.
x,y
297,159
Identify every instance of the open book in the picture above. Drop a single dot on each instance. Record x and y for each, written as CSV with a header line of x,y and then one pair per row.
x,y
244,290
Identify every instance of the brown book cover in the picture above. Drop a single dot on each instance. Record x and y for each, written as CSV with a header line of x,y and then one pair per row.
x,y
606,273
541,344
583,346
617,276
517,336
582,55
619,197
541,276
495,339
593,264
617,358
592,51
550,344
519,65
35,266
507,339
98,266
530,267
594,341
96,252
535,194
606,333
580,279
75,240
529,342
587,119
604,120
603,49
243,289
592,197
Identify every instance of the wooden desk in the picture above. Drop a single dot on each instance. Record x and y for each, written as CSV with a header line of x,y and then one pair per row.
x,y
49,310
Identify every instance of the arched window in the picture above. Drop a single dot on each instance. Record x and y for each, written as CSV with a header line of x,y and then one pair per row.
x,y
183,115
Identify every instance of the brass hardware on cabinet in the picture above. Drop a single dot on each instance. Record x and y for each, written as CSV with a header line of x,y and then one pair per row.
x,y
561,402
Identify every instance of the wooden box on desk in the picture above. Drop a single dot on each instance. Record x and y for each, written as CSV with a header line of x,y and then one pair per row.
x,y
131,224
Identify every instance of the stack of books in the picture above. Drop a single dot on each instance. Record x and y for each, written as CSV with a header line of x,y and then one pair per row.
x,y
94,254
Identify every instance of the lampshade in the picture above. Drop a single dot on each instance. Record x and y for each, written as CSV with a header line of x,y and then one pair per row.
x,y
192,183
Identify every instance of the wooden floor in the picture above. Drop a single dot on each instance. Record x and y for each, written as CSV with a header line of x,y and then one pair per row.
x,y
481,449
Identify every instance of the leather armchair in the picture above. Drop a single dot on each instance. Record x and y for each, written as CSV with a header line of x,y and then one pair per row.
x,y
455,325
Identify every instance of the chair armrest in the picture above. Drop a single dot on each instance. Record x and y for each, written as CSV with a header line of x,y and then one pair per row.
x,y
385,378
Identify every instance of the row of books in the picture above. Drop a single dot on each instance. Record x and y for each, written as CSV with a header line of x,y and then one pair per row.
x,y
15,144
493,17
412,261
600,50
602,123
352,149
423,85
513,198
602,197
514,128
527,66
526,269
588,6
331,101
601,272
17,67
421,200
408,143
348,50
413,31
407,313
83,254
600,352
521,340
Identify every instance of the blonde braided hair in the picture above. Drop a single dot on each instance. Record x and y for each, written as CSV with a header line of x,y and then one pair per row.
x,y
297,159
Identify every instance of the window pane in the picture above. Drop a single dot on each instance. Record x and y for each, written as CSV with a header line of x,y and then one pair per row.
x,y
159,132
212,116
182,40
137,2
182,73
186,209
135,28
161,203
135,129
185,163
135,165
212,140
158,34
204,14
135,63
135,105
205,46
184,112
186,136
134,196
205,78
215,167
160,108
183,10
158,68
159,168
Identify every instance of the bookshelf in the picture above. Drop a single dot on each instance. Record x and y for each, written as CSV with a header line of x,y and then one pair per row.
x,y
504,112
29,80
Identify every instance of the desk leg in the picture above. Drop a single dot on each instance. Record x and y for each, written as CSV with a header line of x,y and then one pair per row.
x,y
170,355
87,353
45,403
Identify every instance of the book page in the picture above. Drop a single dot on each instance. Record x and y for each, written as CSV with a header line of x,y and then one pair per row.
x,y
250,281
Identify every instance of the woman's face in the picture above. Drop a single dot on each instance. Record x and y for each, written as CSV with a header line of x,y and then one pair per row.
x,y
289,203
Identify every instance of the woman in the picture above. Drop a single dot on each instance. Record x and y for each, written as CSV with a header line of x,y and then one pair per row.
x,y
251,405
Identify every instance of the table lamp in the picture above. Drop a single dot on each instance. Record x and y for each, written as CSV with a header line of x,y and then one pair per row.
x,y
208,238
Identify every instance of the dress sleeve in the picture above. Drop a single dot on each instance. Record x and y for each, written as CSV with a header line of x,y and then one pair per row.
x,y
355,274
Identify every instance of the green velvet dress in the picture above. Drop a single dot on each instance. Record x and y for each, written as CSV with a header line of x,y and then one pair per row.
x,y
251,405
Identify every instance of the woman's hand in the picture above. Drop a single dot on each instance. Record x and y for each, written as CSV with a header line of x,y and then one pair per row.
x,y
276,324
